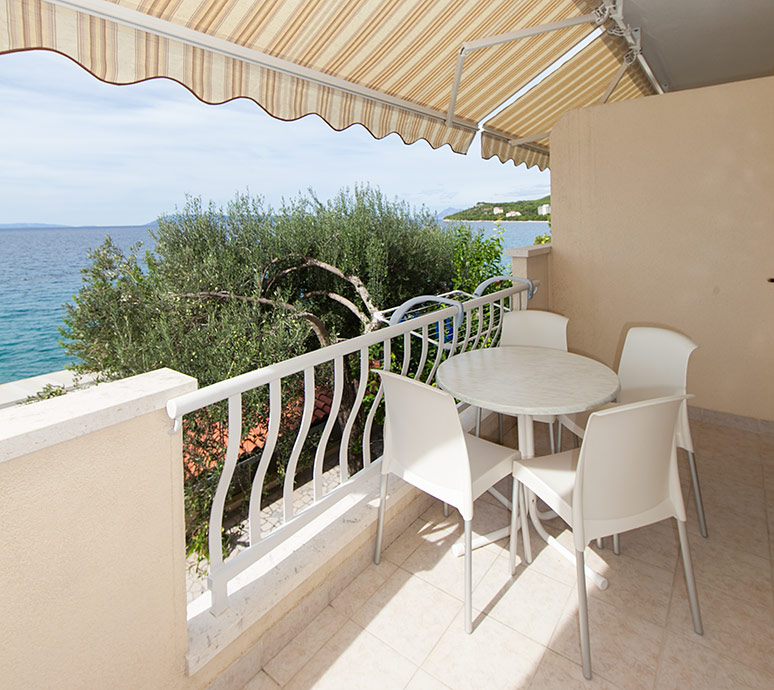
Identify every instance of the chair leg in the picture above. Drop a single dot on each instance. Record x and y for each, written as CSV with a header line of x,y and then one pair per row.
x,y
600,543
446,510
468,576
617,544
478,421
523,510
551,437
690,581
697,493
583,615
380,520
558,435
515,513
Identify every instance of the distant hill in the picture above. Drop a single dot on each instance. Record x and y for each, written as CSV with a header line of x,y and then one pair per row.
x,y
441,215
484,210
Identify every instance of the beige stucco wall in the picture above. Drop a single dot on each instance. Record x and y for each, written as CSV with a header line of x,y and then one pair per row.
x,y
663,214
92,542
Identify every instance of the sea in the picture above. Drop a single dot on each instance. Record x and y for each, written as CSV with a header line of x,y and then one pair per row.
x,y
40,271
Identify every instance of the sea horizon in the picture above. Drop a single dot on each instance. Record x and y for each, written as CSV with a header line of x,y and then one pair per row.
x,y
41,272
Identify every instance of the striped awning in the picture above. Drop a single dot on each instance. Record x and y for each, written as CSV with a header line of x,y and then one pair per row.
x,y
389,65
597,74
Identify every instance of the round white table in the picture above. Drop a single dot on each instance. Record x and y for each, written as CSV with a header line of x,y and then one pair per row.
x,y
527,382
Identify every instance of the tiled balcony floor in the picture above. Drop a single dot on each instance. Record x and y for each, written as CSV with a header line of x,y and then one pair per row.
x,y
399,624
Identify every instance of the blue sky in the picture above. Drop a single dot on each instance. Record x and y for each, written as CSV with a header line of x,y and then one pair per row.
x,y
76,151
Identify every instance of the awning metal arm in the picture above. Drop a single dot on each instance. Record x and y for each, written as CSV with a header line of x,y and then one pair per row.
x,y
632,37
528,32
529,139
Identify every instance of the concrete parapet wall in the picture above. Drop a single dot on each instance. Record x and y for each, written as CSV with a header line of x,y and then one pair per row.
x,y
92,545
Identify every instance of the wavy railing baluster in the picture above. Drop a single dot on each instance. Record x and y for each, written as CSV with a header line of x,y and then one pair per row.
x,y
362,384
219,586
406,354
423,354
369,422
438,355
495,321
322,446
288,510
480,321
275,414
468,324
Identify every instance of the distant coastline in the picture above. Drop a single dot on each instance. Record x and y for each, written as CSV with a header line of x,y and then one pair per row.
x,y
51,226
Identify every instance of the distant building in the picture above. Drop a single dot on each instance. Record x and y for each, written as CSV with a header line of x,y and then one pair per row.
x,y
544,210
497,210
511,214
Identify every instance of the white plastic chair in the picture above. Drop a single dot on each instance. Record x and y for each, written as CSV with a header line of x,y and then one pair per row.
x,y
654,363
424,445
624,476
538,329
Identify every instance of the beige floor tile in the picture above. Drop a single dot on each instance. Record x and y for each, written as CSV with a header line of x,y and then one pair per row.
x,y
547,560
362,587
718,441
261,682
740,630
766,449
741,532
303,647
624,649
436,564
408,614
741,469
688,665
637,588
558,673
424,681
656,544
530,602
730,496
353,658
407,542
717,562
493,657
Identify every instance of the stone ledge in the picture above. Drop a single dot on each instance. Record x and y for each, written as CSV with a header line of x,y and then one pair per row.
x,y
28,428
14,392
528,252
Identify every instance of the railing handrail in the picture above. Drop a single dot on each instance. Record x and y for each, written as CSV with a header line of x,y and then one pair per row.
x,y
222,390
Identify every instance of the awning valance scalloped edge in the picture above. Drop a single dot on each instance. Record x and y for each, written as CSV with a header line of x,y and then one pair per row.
x,y
121,55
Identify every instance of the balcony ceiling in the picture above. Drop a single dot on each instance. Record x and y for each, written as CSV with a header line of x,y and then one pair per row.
x,y
694,43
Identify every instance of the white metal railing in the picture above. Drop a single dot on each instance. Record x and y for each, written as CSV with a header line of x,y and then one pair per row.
x,y
464,325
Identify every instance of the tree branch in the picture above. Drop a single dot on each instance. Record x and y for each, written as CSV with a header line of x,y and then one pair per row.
x,y
341,300
314,321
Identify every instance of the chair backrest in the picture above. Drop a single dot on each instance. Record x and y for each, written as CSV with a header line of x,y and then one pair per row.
x,y
654,363
627,470
534,327
424,443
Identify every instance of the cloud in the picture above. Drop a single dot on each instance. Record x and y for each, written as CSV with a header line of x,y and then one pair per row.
x,y
79,152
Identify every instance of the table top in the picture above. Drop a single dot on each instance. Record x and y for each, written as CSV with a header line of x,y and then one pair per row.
x,y
527,380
